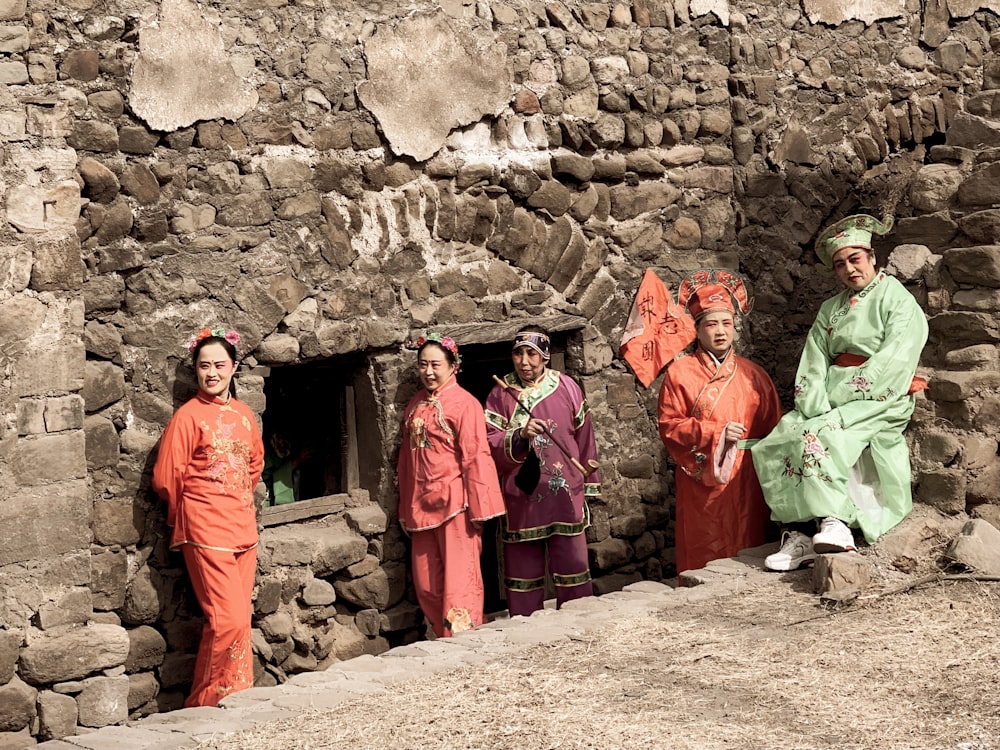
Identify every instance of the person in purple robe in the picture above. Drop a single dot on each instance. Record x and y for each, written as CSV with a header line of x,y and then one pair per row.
x,y
541,436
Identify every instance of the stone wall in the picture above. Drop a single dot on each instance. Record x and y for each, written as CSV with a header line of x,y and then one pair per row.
x,y
331,178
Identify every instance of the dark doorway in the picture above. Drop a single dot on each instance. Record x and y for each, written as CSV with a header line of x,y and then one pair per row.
x,y
479,363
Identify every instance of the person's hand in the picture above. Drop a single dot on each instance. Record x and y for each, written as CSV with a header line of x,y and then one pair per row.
x,y
733,432
533,428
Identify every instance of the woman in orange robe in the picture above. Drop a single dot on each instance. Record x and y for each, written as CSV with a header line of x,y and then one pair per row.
x,y
211,457
447,487
709,401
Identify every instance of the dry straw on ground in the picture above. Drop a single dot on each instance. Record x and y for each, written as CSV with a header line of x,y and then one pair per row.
x,y
765,668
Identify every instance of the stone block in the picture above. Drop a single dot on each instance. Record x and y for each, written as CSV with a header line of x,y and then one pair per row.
x,y
277,627
13,73
285,172
12,10
982,227
629,525
103,384
609,553
70,653
109,103
264,309
403,616
108,576
147,648
31,416
103,701
974,265
58,264
977,547
51,207
629,202
947,385
969,131
247,210
93,135
47,459
936,231
939,446
142,689
101,441
318,593
17,705
325,549
136,140
115,223
117,521
570,262
14,39
962,329
143,597
842,572
985,487
10,649
552,197
615,582
942,488
63,413
367,521
138,181
57,715
71,606
343,641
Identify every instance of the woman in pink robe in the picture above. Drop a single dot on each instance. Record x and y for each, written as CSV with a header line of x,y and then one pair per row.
x,y
447,487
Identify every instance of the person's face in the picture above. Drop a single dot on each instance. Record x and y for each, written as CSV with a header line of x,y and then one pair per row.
x,y
434,368
529,364
716,331
215,370
855,267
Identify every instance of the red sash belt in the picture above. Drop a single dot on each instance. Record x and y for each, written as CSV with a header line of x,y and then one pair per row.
x,y
854,360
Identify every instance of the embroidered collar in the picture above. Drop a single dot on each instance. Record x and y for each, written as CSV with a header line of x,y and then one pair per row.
x,y
851,299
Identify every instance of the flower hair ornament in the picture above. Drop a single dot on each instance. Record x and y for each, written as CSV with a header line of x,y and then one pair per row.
x,y
229,335
445,342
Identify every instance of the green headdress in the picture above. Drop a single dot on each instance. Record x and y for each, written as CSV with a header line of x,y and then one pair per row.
x,y
852,231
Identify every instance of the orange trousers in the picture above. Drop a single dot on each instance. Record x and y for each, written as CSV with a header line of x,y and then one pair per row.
x,y
446,574
223,584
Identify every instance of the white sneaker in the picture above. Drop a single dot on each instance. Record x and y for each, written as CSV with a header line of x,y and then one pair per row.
x,y
833,536
796,549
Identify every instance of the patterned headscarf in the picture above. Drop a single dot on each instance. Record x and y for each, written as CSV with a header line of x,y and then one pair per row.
x,y
535,340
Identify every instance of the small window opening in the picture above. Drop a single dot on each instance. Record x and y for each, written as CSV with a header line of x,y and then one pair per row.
x,y
309,431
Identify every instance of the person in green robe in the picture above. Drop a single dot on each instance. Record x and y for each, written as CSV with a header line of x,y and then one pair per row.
x,y
840,457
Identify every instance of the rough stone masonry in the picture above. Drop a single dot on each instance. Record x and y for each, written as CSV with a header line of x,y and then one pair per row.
x,y
333,177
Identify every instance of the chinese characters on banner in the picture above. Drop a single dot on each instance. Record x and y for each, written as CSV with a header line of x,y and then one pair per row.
x,y
658,329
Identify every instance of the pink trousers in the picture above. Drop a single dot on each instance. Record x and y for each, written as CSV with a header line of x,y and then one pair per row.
x,y
446,574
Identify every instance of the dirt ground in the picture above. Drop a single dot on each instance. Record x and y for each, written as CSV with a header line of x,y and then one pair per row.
x,y
770,667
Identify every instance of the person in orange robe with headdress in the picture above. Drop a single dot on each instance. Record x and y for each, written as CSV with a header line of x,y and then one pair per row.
x,y
210,459
710,400
448,487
